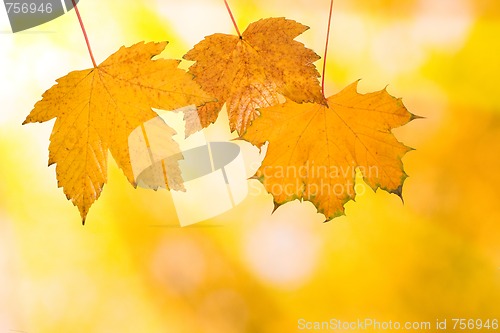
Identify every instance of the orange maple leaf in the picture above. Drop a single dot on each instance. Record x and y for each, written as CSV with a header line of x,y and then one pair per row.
x,y
314,150
98,108
249,72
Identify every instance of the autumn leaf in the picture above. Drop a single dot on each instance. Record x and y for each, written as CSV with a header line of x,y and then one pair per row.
x,y
97,109
249,72
314,150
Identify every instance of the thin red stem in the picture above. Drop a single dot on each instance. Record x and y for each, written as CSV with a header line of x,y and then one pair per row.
x,y
326,48
232,18
84,33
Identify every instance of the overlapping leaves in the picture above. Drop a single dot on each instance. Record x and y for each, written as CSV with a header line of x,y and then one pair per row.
x,y
323,140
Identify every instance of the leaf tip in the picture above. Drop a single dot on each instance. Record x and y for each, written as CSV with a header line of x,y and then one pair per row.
x,y
335,214
276,206
27,120
415,116
399,192
83,214
354,85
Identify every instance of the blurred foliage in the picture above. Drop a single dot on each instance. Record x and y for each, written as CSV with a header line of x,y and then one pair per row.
x,y
469,74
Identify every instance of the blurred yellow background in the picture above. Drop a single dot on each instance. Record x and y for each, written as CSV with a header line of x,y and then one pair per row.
x,y
132,269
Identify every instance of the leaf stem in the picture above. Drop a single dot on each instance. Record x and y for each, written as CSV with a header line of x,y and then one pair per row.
x,y
232,18
326,49
84,33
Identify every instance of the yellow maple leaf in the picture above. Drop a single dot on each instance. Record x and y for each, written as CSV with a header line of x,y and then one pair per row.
x,y
98,108
249,72
314,150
